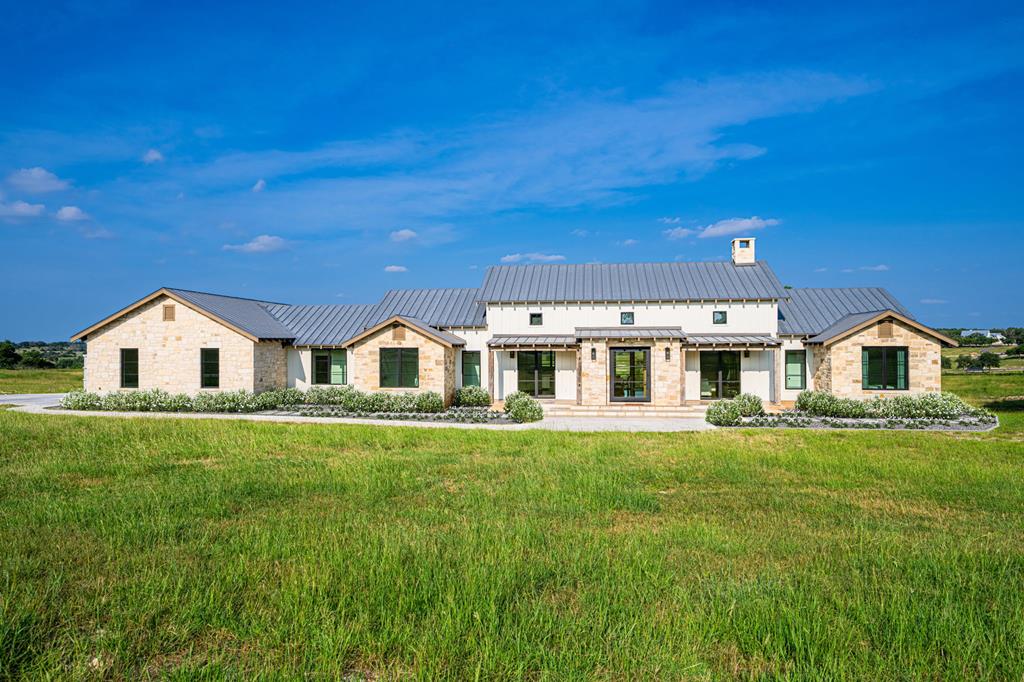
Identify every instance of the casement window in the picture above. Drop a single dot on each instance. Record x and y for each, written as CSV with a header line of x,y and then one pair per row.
x,y
399,367
209,368
129,368
885,368
625,318
720,317
536,319
470,368
796,370
330,367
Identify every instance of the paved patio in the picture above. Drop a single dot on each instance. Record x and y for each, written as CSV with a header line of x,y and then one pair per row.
x,y
45,402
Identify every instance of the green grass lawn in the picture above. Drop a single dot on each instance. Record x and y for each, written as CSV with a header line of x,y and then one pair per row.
x,y
39,380
212,549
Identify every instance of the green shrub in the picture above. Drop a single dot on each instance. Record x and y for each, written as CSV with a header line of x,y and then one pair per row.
x,y
723,413
750,405
472,396
81,400
824,404
522,408
923,406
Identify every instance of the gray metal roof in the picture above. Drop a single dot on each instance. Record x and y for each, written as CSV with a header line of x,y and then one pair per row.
x,y
630,333
731,340
322,325
630,282
812,311
843,325
437,307
247,314
430,331
531,340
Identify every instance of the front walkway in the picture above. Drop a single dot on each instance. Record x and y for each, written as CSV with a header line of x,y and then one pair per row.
x,y
43,404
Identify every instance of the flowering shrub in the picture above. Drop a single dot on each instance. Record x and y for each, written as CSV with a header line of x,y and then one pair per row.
x,y
523,408
749,404
472,396
923,406
723,413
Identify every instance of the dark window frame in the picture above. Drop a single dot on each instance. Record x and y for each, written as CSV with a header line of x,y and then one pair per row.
x,y
886,352
479,371
209,378
329,354
126,376
623,318
403,357
803,369
723,313
633,350
539,317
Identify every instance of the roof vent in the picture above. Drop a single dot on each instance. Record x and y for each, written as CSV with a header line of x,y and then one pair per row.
x,y
743,251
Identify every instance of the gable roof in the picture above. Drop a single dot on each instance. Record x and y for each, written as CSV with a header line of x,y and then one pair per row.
x,y
449,307
444,337
718,280
854,322
323,325
812,311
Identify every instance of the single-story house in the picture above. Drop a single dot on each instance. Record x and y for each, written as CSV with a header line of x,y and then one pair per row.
x,y
661,334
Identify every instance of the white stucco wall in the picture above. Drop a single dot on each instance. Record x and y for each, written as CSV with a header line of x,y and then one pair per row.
x,y
476,340
756,373
790,343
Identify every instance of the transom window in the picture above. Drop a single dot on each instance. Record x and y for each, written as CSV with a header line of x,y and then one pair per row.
x,y
625,318
884,368
330,367
536,319
470,368
129,368
796,370
209,367
399,367
720,317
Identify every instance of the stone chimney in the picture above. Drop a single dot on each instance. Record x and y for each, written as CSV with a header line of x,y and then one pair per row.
x,y
743,251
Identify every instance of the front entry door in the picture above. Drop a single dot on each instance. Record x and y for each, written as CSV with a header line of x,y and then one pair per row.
x,y
631,374
719,374
537,372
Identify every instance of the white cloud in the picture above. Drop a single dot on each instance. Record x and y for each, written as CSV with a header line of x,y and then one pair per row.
x,y
678,232
395,268
36,180
71,213
731,226
933,301
532,258
670,220
867,268
264,243
98,233
402,235
152,156
260,185
628,242
821,269
580,233
20,209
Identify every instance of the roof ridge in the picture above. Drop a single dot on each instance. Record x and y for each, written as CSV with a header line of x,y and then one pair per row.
x,y
237,298
636,262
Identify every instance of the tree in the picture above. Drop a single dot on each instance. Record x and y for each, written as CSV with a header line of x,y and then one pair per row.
x,y
33,358
9,357
947,362
987,359
975,340
1019,350
964,361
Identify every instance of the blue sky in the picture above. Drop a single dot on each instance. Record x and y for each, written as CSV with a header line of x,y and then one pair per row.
x,y
323,154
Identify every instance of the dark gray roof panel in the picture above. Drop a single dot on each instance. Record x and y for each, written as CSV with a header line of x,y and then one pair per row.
x,y
630,333
731,340
430,331
811,311
530,340
843,325
437,307
630,282
323,325
247,314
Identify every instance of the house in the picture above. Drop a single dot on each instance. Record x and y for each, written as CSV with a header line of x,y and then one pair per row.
x,y
655,334
995,337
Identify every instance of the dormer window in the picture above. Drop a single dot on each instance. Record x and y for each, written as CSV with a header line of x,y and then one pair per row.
x,y
720,317
625,318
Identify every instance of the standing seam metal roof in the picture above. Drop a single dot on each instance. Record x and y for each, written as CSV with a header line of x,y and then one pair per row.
x,y
449,307
630,282
323,325
811,311
247,314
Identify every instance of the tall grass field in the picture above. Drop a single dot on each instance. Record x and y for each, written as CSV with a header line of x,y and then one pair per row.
x,y
195,549
39,380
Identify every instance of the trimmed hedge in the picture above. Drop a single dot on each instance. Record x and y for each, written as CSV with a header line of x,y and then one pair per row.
x,y
523,408
923,406
472,396
750,405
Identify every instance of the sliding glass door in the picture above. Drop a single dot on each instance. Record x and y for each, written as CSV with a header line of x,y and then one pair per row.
x,y
719,374
631,374
537,372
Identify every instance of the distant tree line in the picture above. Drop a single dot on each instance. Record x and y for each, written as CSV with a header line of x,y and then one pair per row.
x,y
1013,336
41,355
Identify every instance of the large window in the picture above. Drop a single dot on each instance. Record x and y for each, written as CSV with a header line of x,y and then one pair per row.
x,y
209,368
330,367
399,367
129,368
796,369
470,368
884,369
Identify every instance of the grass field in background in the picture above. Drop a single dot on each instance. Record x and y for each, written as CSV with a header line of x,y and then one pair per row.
x,y
143,547
39,380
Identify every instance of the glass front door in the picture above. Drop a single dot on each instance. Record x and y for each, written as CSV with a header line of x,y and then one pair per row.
x,y
719,374
630,374
537,372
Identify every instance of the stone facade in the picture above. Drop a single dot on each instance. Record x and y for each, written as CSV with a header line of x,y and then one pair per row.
x,y
436,361
169,352
840,371
593,375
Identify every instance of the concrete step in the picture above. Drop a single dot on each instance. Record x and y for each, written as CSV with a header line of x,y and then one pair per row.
x,y
612,411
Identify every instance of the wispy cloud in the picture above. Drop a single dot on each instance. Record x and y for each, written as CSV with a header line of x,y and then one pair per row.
x,y
532,258
71,214
264,243
97,233
403,235
628,242
867,268
152,156
821,269
678,233
731,226
260,185
395,268
36,181
580,233
933,301
20,209
670,220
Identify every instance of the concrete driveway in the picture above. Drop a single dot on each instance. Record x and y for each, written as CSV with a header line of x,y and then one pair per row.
x,y
34,399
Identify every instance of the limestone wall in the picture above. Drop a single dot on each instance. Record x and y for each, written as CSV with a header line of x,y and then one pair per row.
x,y
436,361
843,362
666,375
